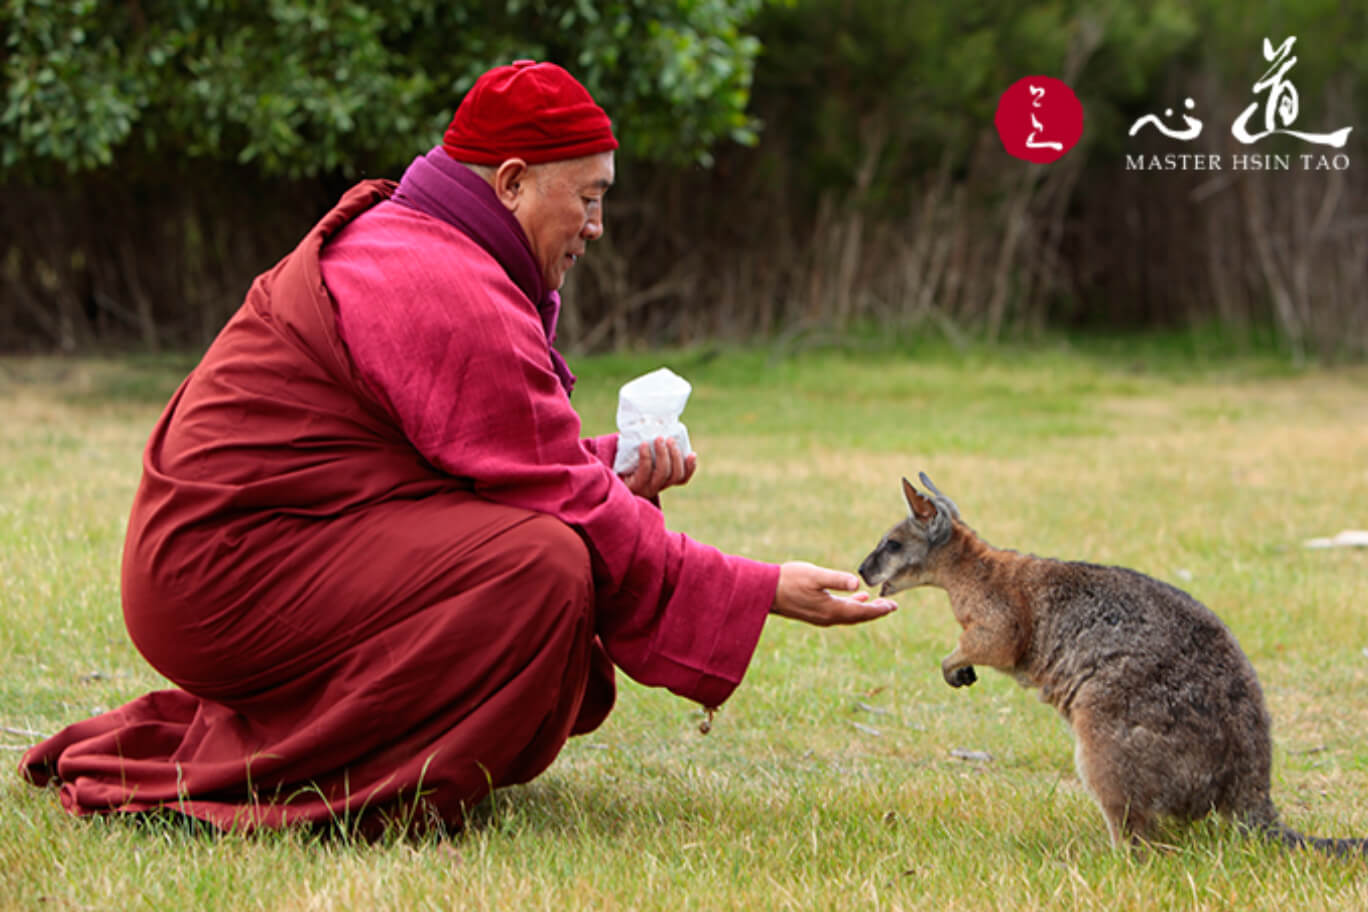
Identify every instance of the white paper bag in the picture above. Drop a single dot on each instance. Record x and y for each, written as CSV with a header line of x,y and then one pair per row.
x,y
649,407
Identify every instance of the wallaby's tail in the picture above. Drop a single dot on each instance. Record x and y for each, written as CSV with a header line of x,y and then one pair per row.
x,y
1294,840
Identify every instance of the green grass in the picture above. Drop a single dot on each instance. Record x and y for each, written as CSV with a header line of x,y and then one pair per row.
x,y
827,781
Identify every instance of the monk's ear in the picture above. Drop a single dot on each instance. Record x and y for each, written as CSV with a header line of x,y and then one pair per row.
x,y
921,509
510,180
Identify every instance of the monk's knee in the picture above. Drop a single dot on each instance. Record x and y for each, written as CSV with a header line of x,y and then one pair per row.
x,y
556,553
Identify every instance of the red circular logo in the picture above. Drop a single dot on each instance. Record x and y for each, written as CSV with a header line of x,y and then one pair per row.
x,y
1039,118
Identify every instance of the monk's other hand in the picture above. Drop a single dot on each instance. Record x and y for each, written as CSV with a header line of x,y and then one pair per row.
x,y
803,595
660,465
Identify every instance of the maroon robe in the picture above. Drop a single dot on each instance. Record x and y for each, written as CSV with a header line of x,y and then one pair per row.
x,y
386,581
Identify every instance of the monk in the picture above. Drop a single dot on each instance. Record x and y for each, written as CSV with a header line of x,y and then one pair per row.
x,y
370,547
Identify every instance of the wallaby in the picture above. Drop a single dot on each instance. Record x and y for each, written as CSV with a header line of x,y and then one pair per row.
x,y
1167,713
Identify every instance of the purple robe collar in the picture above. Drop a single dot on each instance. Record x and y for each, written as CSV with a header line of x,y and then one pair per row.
x,y
438,186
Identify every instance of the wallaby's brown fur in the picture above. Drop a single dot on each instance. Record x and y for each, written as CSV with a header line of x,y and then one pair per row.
x,y
1167,713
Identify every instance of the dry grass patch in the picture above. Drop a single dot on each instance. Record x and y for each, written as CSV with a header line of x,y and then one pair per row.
x,y
843,774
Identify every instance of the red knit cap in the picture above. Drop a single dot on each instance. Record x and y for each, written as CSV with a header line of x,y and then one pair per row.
x,y
529,110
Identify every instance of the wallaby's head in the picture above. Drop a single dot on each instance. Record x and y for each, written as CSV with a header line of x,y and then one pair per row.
x,y
902,559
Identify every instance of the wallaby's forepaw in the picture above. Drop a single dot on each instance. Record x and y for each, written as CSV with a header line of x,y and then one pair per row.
x,y
961,677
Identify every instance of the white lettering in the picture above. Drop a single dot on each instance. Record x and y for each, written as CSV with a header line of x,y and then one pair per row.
x,y
1241,161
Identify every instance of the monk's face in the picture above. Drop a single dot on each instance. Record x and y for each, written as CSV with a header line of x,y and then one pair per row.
x,y
560,207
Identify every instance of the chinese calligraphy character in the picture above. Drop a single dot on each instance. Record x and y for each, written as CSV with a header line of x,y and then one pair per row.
x,y
1037,95
1281,103
1192,131
1023,112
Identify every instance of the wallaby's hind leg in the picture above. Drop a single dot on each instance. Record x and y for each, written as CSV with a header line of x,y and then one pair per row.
x,y
1102,767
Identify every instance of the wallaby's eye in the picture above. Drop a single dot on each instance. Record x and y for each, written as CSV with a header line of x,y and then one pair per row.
x,y
893,545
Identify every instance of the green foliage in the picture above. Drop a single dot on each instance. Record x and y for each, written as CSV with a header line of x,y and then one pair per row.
x,y
1332,39
67,96
918,81
674,76
915,84
303,87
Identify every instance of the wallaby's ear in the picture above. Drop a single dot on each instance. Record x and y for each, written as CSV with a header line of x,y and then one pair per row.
x,y
918,507
938,513
935,493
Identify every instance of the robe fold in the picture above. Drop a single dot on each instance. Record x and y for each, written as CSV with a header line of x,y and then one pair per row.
x,y
373,553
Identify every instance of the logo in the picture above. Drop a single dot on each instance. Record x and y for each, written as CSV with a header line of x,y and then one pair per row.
x,y
1039,119
1280,109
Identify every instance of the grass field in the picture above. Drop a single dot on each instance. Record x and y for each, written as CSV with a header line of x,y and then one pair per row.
x,y
837,776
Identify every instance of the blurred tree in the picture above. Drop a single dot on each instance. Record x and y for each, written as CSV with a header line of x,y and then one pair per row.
x,y
158,153
909,86
890,90
305,87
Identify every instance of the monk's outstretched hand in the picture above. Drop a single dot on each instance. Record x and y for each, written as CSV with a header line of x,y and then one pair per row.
x,y
659,466
803,596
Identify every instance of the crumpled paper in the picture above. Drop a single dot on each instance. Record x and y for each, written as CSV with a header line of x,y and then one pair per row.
x,y
649,407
